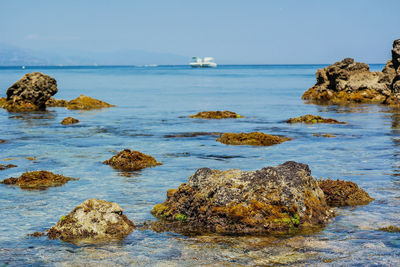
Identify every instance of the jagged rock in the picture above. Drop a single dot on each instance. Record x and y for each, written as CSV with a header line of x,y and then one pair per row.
x,y
252,139
390,229
38,180
56,103
343,193
280,199
3,102
311,119
94,219
69,120
128,160
8,166
31,92
216,115
83,102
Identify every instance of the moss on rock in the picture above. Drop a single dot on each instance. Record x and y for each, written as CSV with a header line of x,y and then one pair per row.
x,y
86,103
128,160
216,115
253,139
4,167
56,103
390,229
312,119
69,120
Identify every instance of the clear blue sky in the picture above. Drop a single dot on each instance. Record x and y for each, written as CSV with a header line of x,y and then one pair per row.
x,y
252,31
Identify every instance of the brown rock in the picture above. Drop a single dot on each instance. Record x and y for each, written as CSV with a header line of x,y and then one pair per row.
x,y
4,167
390,229
56,103
128,160
252,139
343,193
328,135
69,120
38,180
94,220
3,102
85,103
311,119
216,115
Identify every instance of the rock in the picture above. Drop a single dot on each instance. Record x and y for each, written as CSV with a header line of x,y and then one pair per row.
x,y
2,141
192,134
128,160
38,180
31,92
252,139
93,219
85,103
328,135
37,234
341,193
4,167
280,199
311,119
3,102
396,54
56,103
216,115
390,229
69,120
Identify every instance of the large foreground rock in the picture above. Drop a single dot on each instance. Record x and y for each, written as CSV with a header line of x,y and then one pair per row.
x,y
94,219
285,198
348,81
31,92
38,180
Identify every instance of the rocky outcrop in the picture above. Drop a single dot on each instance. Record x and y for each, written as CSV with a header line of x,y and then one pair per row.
x,y
30,93
3,102
341,193
38,180
352,82
94,219
311,119
128,160
56,103
69,120
280,199
8,166
252,139
83,102
390,229
216,115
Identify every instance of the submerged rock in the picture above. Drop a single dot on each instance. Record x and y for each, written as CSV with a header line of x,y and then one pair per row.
x,y
311,119
56,103
38,180
69,120
390,229
192,134
327,135
1,141
93,219
31,92
83,102
216,115
341,193
352,82
128,160
280,199
252,139
8,166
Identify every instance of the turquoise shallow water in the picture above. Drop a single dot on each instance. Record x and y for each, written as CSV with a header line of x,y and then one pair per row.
x,y
152,102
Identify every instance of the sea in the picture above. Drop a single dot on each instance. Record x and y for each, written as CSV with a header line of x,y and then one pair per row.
x,y
153,103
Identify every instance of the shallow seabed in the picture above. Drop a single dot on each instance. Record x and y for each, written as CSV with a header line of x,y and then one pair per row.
x,y
153,102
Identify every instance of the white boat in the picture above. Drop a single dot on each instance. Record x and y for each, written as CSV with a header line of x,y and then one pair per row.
x,y
197,62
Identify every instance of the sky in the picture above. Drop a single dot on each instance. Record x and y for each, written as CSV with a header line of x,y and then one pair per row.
x,y
233,32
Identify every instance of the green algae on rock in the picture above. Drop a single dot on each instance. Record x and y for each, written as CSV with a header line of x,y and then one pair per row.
x,y
94,220
252,139
56,103
311,119
69,120
281,199
341,193
216,115
4,167
83,102
38,180
129,160
390,229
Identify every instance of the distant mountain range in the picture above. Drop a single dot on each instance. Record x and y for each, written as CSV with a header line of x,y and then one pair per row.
x,y
15,56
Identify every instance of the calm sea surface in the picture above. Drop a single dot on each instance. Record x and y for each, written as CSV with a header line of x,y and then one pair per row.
x,y
152,102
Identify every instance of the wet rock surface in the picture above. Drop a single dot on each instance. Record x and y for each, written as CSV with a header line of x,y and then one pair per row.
x,y
390,229
8,166
348,81
216,115
339,193
129,160
94,219
38,180
281,199
56,103
252,139
311,119
31,92
327,135
83,102
69,120
3,101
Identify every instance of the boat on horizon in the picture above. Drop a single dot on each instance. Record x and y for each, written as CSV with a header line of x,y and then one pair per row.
x,y
207,62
